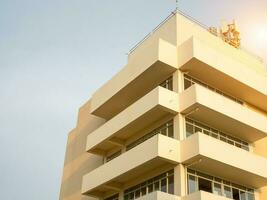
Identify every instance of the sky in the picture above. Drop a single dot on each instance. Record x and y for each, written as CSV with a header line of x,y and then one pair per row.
x,y
55,53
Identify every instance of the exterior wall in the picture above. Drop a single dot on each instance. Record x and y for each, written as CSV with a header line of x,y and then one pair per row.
x,y
77,161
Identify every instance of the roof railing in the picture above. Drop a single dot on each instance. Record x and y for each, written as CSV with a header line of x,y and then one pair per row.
x,y
191,19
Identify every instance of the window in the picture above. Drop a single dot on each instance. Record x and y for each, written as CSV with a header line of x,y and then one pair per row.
x,y
189,129
112,156
164,185
227,192
193,126
236,194
217,188
188,81
242,195
204,185
163,182
171,184
165,129
167,84
200,181
250,196
114,197
192,184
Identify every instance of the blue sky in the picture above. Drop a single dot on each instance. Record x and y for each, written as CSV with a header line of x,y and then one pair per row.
x,y
54,54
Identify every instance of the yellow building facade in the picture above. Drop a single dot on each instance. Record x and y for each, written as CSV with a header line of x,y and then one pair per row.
x,y
185,119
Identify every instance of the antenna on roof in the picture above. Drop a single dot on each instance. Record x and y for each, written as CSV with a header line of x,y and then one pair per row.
x,y
176,9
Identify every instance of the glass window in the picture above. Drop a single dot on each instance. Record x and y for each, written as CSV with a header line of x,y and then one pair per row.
x,y
131,196
163,185
197,129
171,185
250,196
165,129
206,132
167,83
245,147
170,131
204,185
187,84
150,188
194,126
189,130
137,194
156,186
235,194
188,81
242,195
143,191
114,197
227,192
192,184
217,188
199,181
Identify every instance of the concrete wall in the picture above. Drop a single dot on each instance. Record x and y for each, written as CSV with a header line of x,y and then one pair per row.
x,y
77,161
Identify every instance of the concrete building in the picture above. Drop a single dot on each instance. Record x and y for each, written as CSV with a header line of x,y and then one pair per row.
x,y
185,119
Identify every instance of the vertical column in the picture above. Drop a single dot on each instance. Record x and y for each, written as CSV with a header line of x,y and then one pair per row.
x,y
261,194
180,180
121,195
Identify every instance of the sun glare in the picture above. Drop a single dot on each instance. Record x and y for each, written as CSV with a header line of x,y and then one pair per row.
x,y
262,35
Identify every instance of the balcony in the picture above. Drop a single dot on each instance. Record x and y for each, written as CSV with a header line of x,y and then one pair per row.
x,y
157,104
163,151
232,74
212,156
146,69
201,104
201,195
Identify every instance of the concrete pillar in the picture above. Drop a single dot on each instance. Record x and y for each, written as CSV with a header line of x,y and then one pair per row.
x,y
180,180
121,195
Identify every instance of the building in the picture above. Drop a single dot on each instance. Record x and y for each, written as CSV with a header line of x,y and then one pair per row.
x,y
185,119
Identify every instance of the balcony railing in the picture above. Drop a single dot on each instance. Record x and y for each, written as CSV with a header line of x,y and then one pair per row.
x,y
194,127
191,19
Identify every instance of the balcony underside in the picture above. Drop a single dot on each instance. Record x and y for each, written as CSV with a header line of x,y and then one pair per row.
x,y
144,71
